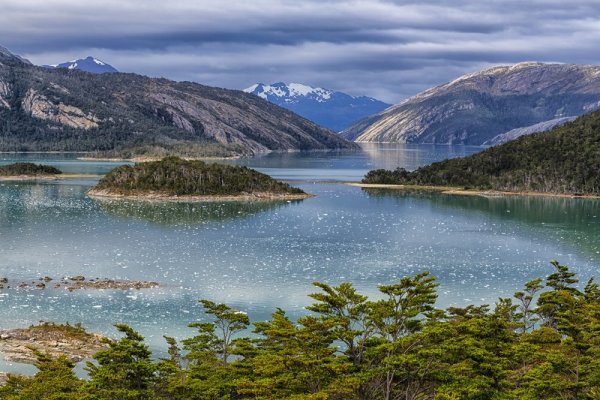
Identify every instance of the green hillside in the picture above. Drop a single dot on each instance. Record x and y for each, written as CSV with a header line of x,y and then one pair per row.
x,y
564,160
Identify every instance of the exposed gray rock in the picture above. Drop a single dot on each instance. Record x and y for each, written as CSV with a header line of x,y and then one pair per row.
x,y
527,130
38,106
4,93
477,107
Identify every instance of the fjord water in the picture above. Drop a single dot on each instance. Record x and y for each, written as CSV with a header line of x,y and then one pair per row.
x,y
261,256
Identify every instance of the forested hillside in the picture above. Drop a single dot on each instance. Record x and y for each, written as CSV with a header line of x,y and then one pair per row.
x,y
125,115
564,160
544,343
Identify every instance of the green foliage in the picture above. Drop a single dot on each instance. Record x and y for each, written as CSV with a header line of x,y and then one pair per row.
x,y
124,371
177,177
543,344
564,160
29,169
54,381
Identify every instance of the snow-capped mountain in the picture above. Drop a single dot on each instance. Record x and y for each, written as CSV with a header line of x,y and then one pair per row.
x,y
88,64
333,110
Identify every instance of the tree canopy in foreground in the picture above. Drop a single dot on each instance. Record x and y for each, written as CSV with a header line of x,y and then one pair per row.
x,y
544,343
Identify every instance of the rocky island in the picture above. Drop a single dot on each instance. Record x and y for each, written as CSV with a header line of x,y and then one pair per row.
x,y
175,179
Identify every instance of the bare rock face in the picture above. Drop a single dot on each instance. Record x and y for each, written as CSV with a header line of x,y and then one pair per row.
x,y
4,93
38,106
477,107
527,130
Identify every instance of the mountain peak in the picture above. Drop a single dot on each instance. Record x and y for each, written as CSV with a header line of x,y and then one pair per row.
x,y
291,91
333,110
88,64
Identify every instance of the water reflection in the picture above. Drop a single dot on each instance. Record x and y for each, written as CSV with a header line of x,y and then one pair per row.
x,y
175,213
412,156
572,220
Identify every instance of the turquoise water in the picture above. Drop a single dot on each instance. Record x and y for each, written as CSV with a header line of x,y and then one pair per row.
x,y
257,257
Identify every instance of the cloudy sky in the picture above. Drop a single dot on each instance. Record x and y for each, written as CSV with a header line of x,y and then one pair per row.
x,y
386,49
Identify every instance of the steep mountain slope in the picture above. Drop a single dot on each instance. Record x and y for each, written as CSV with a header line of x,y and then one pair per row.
x,y
88,64
7,56
563,160
333,110
527,130
476,107
119,114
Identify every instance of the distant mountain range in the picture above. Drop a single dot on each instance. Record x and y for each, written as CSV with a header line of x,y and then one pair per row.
x,y
475,108
88,64
333,110
127,115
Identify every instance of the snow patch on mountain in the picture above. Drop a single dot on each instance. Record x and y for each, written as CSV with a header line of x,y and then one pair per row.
x,y
328,108
88,64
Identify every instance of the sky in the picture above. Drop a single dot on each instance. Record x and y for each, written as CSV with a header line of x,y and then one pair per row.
x,y
387,49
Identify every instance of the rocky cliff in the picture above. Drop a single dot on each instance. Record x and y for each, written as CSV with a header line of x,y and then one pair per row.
x,y
116,114
477,107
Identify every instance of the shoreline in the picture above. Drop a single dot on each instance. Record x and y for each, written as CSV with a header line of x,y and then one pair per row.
x,y
468,192
151,159
25,178
249,197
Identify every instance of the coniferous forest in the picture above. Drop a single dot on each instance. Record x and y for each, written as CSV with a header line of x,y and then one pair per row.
x,y
544,343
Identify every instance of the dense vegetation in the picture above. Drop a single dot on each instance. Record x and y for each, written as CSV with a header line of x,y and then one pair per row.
x,y
542,344
564,160
176,177
30,169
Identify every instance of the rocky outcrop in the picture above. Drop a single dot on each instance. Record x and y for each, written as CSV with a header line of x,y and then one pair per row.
x,y
78,282
38,106
18,345
477,107
4,93
527,130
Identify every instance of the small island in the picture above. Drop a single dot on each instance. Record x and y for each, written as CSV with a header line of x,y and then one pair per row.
x,y
26,171
175,179
562,162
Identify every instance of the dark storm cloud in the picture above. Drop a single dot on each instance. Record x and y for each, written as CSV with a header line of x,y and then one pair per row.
x,y
387,49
